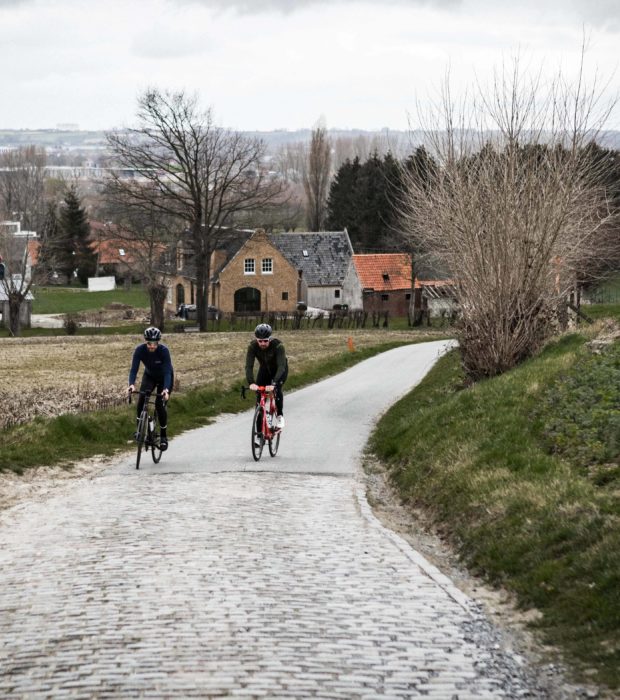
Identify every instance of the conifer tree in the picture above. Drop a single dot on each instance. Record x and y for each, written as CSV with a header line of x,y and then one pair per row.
x,y
75,231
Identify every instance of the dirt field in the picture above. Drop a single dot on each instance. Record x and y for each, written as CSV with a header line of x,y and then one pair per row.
x,y
50,376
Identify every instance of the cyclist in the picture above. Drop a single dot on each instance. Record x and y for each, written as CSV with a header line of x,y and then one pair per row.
x,y
273,366
158,372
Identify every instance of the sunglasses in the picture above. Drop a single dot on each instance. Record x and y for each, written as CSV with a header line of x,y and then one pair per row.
x,y
152,344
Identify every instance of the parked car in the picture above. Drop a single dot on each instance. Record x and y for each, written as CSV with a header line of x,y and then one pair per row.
x,y
189,312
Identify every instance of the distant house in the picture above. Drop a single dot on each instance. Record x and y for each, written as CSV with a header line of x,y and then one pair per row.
x,y
386,282
255,271
327,276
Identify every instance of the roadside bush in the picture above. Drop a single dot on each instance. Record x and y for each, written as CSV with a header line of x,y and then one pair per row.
x,y
70,324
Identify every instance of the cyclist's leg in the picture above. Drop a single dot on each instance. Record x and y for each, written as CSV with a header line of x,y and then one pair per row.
x,y
279,394
263,378
147,385
162,416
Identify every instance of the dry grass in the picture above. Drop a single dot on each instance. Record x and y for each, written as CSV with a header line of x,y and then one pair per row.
x,y
55,375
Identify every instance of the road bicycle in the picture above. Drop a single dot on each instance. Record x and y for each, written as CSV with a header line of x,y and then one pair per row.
x,y
147,431
264,428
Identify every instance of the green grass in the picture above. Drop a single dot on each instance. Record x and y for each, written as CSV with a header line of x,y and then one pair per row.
x,y
68,438
64,300
478,460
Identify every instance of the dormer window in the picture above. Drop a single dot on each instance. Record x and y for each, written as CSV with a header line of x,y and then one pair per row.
x,y
121,251
304,253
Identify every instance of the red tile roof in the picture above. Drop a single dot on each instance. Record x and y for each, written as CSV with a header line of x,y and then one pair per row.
x,y
384,271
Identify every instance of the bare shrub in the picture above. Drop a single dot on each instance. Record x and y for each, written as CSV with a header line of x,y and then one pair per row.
x,y
512,211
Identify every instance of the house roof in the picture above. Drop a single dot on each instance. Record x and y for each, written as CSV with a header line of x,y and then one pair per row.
x,y
323,257
384,271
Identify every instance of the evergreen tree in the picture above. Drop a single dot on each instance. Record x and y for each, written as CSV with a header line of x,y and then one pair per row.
x,y
75,231
341,205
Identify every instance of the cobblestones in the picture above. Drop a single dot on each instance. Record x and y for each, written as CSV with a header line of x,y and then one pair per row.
x,y
229,585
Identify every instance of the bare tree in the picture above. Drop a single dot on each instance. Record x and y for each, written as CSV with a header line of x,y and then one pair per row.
x,y
22,181
316,178
17,279
192,170
512,211
146,236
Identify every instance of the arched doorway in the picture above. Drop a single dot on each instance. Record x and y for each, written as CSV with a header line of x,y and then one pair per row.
x,y
180,295
247,299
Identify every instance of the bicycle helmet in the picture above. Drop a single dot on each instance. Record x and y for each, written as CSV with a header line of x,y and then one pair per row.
x,y
152,334
262,331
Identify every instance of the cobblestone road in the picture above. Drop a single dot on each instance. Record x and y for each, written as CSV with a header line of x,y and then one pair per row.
x,y
257,584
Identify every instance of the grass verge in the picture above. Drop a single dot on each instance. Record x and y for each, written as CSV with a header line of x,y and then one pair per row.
x,y
477,460
70,437
66,300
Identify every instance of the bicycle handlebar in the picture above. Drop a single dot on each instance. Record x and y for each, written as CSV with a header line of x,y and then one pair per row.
x,y
247,388
143,393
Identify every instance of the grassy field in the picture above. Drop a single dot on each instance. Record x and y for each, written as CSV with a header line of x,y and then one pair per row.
x,y
65,300
521,473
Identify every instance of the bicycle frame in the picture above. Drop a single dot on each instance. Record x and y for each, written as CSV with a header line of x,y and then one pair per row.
x,y
147,435
268,432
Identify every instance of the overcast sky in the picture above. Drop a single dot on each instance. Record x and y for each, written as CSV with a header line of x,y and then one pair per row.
x,y
270,64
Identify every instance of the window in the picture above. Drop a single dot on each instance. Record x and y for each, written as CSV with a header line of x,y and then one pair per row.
x,y
408,296
385,297
267,266
249,266
121,251
336,294
386,277
305,253
284,296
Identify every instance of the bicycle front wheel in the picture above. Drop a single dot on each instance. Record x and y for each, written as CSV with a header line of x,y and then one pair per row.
x,y
155,444
258,439
141,434
274,439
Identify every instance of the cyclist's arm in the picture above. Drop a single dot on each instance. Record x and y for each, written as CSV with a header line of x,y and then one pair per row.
x,y
135,364
281,360
249,365
167,370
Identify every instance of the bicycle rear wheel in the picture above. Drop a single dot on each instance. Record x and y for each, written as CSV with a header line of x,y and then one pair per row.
x,y
274,440
141,433
258,439
155,444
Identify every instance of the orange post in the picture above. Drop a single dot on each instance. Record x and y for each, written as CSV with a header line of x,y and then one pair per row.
x,y
350,344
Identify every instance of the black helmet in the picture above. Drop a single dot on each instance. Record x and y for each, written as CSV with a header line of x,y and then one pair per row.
x,y
152,334
262,331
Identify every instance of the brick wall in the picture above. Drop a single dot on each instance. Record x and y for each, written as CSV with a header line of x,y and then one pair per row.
x,y
283,279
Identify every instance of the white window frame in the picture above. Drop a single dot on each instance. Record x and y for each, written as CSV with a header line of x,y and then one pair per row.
x,y
249,266
270,265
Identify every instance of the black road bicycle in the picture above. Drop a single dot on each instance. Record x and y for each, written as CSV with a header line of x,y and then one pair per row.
x,y
147,431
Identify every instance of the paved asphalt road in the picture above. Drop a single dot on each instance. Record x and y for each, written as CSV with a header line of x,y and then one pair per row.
x,y
212,576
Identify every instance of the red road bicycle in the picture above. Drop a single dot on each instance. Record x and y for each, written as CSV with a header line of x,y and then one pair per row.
x,y
264,428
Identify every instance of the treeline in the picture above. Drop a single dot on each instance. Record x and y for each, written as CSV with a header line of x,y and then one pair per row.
x,y
367,197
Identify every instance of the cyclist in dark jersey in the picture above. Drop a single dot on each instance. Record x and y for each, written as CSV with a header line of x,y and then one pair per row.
x,y
158,373
273,366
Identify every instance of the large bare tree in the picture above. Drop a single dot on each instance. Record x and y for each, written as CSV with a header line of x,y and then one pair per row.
x,y
316,178
513,210
192,170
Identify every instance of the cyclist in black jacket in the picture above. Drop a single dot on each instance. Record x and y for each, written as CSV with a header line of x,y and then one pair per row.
x,y
158,373
273,366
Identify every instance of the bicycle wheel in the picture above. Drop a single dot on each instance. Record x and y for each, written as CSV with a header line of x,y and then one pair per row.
x,y
141,434
155,437
258,439
274,440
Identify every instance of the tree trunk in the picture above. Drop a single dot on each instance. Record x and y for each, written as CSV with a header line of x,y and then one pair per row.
x,y
15,305
157,297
